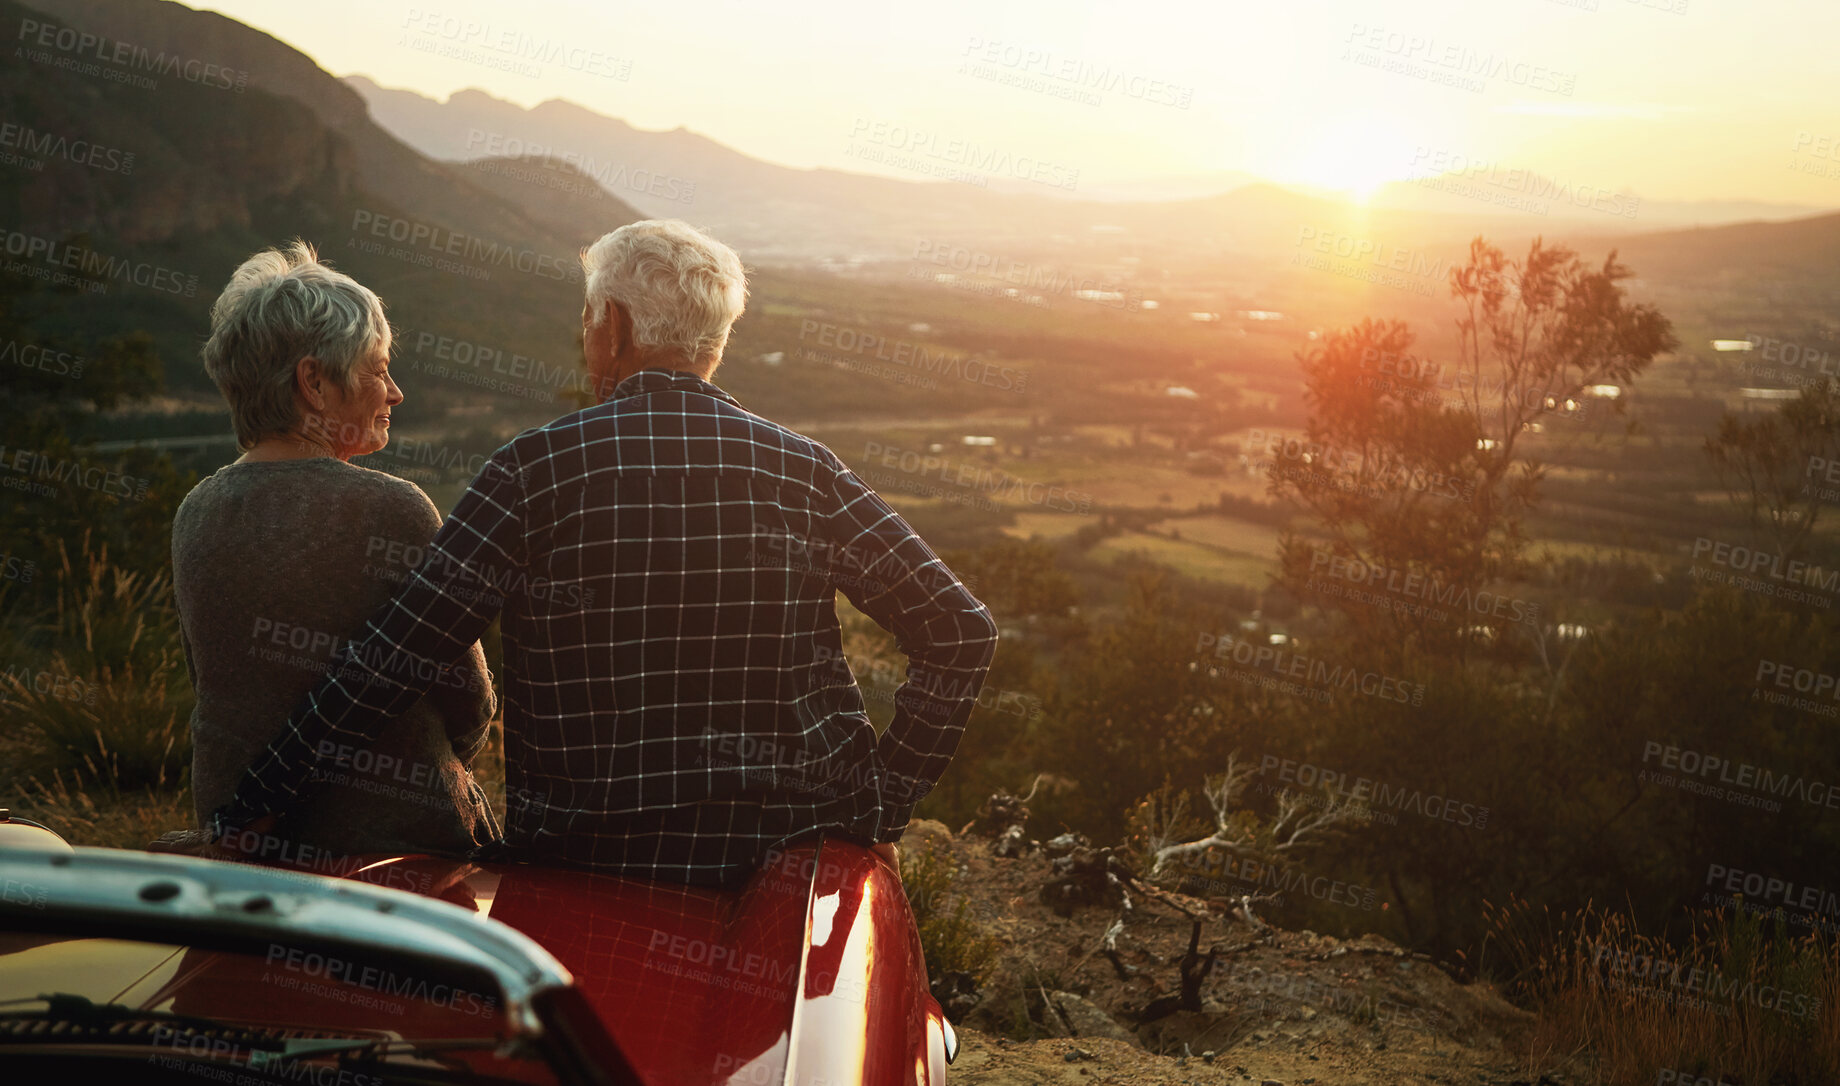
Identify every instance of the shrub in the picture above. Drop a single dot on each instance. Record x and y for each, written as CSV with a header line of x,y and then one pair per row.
x,y
951,937
105,698
1736,1003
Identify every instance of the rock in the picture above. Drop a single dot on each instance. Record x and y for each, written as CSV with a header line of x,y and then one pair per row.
x,y
998,813
1012,844
925,833
1080,1018
957,994
1084,876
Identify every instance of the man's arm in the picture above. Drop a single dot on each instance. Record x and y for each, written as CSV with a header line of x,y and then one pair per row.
x,y
437,615
892,576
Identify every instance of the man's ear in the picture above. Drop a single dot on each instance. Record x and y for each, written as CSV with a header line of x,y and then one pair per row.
x,y
619,325
310,381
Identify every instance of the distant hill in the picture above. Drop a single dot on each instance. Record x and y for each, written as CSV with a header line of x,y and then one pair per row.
x,y
1806,251
261,145
771,211
775,212
1568,203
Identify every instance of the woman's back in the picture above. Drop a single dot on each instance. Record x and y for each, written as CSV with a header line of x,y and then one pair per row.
x,y
275,565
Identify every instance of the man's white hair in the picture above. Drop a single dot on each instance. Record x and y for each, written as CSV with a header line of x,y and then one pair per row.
x,y
683,289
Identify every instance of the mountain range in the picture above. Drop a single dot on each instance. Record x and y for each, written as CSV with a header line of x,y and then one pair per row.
x,y
243,141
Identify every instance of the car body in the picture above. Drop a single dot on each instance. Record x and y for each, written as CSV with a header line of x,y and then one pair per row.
x,y
171,967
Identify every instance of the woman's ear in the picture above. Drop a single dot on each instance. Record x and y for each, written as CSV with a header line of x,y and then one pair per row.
x,y
310,382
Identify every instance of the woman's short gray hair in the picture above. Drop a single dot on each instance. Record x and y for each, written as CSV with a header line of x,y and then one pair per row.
x,y
279,307
683,289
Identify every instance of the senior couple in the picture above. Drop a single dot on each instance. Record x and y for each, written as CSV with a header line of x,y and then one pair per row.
x,y
663,567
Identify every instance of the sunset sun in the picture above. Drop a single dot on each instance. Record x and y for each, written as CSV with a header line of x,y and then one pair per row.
x,y
1354,154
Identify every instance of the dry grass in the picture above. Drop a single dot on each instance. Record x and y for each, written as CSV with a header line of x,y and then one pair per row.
x,y
1739,1002
110,820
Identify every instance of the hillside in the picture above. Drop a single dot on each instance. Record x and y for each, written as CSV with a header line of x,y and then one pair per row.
x,y
1277,1006
265,148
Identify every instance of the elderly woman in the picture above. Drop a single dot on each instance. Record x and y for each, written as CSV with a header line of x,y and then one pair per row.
x,y
279,557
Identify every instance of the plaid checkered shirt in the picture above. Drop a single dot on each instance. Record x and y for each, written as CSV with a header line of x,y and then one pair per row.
x,y
677,702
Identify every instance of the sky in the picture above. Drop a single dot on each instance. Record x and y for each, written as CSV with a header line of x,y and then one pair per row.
x,y
1666,99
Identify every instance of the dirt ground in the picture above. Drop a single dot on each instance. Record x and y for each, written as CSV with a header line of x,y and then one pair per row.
x,y
1287,1007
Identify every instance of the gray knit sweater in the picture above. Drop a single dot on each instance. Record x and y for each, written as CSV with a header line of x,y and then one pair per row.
x,y
275,564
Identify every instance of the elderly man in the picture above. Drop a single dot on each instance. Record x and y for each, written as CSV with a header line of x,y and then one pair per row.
x,y
665,566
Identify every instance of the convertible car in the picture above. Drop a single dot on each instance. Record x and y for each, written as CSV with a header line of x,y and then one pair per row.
x,y
133,967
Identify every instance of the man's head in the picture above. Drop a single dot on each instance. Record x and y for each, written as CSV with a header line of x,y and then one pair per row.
x,y
659,293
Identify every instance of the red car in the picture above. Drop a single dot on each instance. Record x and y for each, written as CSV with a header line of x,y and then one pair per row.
x,y
132,967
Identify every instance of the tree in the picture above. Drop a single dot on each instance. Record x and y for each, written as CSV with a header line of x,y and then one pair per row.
x,y
1769,463
1416,474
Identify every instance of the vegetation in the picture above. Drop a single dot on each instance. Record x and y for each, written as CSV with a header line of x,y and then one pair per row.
x,y
953,940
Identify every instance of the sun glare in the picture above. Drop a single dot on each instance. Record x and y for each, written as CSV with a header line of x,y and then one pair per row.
x,y
1353,154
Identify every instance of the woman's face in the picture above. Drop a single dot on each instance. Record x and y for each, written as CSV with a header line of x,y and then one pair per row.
x,y
358,422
